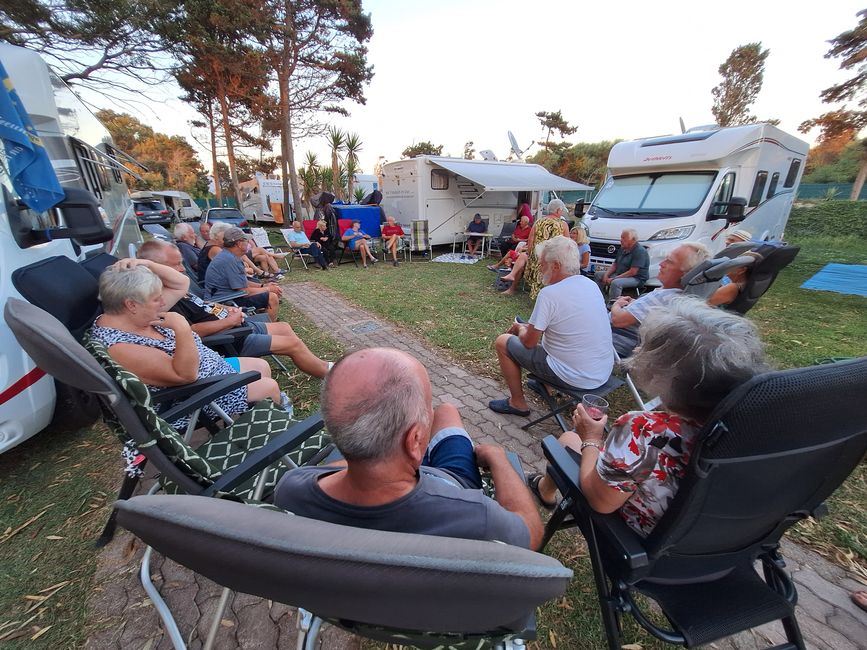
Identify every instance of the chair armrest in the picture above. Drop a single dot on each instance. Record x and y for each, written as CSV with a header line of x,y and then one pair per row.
x,y
216,340
179,392
612,530
515,461
232,296
261,458
227,384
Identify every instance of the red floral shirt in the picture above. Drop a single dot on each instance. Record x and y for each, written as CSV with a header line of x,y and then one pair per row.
x,y
646,454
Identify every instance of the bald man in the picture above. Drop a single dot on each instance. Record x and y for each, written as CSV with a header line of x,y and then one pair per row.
x,y
408,468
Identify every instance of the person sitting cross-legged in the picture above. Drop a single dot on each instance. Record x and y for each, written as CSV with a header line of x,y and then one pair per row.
x,y
392,234
627,313
629,269
570,312
475,226
691,356
298,241
408,468
208,318
357,240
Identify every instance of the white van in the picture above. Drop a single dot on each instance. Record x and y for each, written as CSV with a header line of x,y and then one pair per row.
x,y
696,186
83,157
447,192
181,203
262,199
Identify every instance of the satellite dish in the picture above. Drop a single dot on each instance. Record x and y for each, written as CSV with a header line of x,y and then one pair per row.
x,y
515,148
682,125
487,154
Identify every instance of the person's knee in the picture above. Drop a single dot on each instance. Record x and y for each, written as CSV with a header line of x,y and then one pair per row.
x,y
288,345
259,365
502,342
447,415
280,328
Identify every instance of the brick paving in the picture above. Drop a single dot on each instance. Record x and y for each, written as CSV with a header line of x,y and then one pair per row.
x,y
124,617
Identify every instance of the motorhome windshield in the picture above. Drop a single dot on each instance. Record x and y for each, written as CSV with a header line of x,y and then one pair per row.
x,y
673,194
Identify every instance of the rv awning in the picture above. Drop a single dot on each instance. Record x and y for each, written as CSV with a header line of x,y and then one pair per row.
x,y
508,177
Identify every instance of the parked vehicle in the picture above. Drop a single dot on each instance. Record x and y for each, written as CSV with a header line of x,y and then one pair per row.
x,y
447,192
262,199
86,161
696,186
180,203
365,182
149,209
229,215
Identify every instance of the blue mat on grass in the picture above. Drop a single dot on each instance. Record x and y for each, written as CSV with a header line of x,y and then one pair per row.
x,y
840,278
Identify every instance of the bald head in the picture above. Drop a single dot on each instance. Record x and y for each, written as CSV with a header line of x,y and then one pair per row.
x,y
371,398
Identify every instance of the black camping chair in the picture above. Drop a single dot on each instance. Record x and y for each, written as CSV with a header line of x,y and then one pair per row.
x,y
503,241
770,454
561,397
418,590
767,259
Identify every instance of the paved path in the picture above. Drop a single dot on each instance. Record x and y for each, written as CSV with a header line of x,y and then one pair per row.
x,y
125,618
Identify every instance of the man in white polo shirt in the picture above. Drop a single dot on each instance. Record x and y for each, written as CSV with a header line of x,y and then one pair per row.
x,y
570,311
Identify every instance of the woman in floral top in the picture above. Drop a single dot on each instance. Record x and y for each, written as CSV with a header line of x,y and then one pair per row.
x,y
692,356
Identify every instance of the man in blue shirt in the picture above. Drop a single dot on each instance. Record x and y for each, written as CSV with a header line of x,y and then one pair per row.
x,y
298,240
476,225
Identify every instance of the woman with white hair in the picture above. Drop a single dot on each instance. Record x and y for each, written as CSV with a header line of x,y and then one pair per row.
x,y
548,227
692,356
158,345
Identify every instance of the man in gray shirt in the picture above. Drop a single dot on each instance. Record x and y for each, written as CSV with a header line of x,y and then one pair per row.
x,y
630,267
408,468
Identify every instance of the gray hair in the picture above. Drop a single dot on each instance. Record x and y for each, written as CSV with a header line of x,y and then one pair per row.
x,y
554,205
368,426
116,286
562,250
693,355
219,227
632,233
182,230
698,253
154,250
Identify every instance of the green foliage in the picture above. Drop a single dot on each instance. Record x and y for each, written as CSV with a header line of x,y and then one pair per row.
x,y
829,219
554,121
585,162
843,169
422,149
742,75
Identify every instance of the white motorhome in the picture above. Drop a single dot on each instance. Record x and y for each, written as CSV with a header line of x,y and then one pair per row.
x,y
262,199
83,157
696,186
365,182
181,203
447,192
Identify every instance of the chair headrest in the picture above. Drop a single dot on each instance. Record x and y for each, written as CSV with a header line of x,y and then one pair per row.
x,y
53,349
410,582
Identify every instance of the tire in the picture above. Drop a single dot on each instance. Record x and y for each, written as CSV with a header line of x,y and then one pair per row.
x,y
74,408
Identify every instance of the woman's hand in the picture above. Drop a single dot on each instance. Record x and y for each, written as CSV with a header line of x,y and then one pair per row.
x,y
587,427
173,321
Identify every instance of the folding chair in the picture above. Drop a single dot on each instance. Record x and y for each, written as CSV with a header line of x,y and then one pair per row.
x,y
770,454
418,590
403,245
502,241
419,239
158,232
260,238
239,462
563,397
295,252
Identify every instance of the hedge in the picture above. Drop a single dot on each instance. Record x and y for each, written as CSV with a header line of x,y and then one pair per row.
x,y
829,219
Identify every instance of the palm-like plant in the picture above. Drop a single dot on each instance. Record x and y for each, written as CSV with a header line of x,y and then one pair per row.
x,y
352,168
359,194
336,140
352,145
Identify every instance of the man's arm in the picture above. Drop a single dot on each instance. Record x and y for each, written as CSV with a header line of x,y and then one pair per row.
x,y
209,327
528,334
512,494
620,317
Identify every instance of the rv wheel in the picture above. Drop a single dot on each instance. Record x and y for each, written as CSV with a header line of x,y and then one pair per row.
x,y
74,409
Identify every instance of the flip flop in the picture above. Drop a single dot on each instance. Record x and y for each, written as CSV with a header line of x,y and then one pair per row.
x,y
503,406
533,484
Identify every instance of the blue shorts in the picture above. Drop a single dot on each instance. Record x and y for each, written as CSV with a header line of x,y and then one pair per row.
x,y
258,343
452,450
235,362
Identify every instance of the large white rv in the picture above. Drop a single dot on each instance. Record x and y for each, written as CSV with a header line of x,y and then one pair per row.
x,y
181,203
696,186
83,157
262,199
447,192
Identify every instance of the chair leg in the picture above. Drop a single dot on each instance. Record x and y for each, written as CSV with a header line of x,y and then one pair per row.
x,y
308,629
555,523
218,617
279,363
125,492
607,604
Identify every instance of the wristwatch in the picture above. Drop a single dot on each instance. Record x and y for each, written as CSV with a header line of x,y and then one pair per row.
x,y
592,443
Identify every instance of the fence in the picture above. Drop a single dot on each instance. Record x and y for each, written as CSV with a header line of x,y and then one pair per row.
x,y
821,191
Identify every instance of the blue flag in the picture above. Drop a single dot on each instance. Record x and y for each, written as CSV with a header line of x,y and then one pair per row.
x,y
32,174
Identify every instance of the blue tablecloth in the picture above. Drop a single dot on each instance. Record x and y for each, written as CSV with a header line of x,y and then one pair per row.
x,y
368,215
840,278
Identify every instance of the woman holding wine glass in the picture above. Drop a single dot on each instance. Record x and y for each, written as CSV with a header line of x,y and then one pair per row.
x,y
691,356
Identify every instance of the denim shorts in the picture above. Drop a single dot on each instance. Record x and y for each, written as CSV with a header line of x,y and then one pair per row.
x,y
451,449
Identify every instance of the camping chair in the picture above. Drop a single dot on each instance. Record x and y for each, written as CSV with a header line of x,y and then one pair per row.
x,y
770,454
260,238
158,232
420,239
342,226
300,253
561,397
407,589
239,462
402,245
503,241
768,259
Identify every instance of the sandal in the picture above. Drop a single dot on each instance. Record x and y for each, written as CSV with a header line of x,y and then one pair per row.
x,y
533,484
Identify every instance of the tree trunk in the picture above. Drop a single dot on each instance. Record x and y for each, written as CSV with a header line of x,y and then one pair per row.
x,y
283,84
290,155
230,148
218,191
859,181
336,185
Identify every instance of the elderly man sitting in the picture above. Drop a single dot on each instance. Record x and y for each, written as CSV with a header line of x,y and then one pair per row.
x,y
298,240
408,468
185,237
628,313
570,312
630,267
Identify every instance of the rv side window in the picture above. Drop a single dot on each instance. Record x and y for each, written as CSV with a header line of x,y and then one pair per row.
x,y
115,172
793,173
724,194
439,179
758,189
772,188
186,203
89,173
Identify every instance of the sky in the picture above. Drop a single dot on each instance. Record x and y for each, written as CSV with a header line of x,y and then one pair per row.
x,y
453,71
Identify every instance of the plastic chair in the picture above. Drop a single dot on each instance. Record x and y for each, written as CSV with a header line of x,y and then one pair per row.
x,y
770,454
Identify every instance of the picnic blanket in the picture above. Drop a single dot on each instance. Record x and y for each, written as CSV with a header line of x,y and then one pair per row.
x,y
456,258
840,278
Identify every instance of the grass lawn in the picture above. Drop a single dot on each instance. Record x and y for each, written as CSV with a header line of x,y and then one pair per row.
x,y
57,488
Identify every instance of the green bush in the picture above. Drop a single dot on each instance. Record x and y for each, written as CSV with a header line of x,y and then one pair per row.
x,y
828,219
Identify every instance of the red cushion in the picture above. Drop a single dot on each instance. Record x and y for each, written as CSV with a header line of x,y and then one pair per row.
x,y
343,225
309,227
